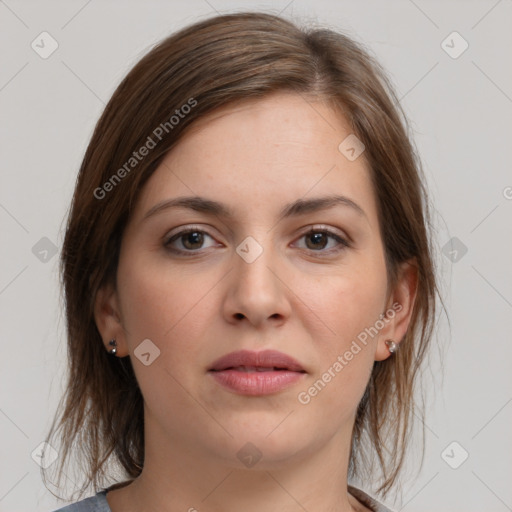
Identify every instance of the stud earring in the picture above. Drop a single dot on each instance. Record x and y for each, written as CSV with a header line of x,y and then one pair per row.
x,y
113,344
392,346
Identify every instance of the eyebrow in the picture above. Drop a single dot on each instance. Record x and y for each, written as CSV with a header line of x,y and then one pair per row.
x,y
294,209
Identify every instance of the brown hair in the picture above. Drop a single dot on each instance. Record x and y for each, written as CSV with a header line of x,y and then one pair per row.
x,y
208,65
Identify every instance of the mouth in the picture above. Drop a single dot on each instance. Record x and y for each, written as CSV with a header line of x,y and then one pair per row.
x,y
256,373
250,369
250,361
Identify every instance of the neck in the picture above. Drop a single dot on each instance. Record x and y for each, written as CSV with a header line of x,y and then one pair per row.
x,y
181,476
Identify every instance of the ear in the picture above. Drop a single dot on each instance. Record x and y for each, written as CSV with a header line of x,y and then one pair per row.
x,y
108,319
399,309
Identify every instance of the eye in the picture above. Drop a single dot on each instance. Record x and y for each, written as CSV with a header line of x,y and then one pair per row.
x,y
189,241
318,239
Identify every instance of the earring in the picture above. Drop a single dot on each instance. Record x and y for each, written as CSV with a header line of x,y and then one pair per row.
x,y
113,344
392,346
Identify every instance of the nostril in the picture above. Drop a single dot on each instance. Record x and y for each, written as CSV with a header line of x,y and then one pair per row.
x,y
239,315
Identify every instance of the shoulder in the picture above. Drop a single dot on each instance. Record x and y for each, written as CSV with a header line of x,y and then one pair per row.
x,y
367,500
97,503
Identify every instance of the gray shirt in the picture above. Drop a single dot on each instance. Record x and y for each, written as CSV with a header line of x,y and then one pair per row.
x,y
99,503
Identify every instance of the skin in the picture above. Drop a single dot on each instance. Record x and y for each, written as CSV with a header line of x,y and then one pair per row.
x,y
300,296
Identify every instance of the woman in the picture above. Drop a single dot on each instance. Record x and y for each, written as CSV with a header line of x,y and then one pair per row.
x,y
248,278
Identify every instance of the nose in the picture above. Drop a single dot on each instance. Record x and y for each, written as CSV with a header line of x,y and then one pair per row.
x,y
257,292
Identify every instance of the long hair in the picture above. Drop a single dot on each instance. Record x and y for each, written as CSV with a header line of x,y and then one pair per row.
x,y
207,65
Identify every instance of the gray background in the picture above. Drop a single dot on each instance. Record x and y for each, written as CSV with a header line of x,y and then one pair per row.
x,y
460,110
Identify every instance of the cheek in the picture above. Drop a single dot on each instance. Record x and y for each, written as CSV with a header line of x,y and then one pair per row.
x,y
346,301
170,308
349,304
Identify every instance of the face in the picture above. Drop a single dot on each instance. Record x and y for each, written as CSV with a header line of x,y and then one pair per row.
x,y
254,274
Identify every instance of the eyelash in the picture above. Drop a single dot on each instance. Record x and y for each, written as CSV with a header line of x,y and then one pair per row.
x,y
343,243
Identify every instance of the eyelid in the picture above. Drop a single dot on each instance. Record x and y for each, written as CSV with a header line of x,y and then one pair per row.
x,y
328,229
185,228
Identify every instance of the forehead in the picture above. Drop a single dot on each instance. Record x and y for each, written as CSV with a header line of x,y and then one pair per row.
x,y
263,153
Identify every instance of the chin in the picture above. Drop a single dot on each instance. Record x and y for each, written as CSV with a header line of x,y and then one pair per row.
x,y
269,445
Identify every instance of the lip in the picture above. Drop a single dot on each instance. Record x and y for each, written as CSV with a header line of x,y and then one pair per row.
x,y
259,374
262,359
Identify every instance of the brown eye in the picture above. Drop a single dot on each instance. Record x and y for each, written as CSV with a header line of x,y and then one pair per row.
x,y
192,240
318,240
187,241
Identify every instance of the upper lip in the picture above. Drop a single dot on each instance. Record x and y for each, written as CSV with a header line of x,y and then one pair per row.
x,y
264,359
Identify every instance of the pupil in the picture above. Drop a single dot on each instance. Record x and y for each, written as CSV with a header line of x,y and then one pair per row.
x,y
194,238
317,237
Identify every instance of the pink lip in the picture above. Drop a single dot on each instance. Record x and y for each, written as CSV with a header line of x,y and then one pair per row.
x,y
270,380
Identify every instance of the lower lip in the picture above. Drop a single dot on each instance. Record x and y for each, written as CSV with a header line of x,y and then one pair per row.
x,y
256,383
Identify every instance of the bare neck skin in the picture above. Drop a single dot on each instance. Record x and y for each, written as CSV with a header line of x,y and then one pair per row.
x,y
191,482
